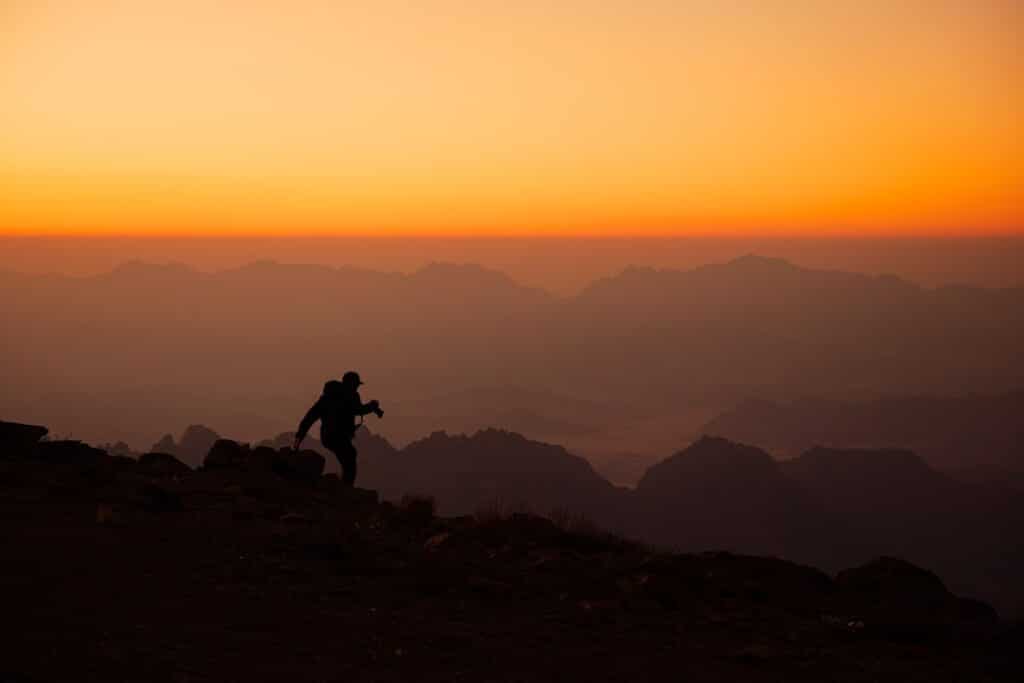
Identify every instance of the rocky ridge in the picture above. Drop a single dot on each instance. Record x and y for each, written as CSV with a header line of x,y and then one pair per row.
x,y
257,566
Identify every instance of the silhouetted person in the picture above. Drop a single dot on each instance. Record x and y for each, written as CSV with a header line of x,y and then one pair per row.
x,y
337,409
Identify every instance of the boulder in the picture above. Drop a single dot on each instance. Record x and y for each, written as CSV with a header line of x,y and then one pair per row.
x,y
163,465
120,449
123,462
226,454
261,459
303,465
17,439
892,581
70,453
895,599
156,498
417,510
354,497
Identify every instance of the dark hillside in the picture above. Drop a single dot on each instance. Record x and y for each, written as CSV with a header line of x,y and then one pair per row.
x,y
255,567
493,468
719,494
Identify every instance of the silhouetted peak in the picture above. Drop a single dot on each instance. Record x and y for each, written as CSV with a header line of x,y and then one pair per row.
x,y
710,457
193,444
836,462
165,444
440,436
630,275
756,262
715,449
751,275
509,451
495,435
470,278
151,271
485,439
270,268
634,272
440,271
372,445
198,432
663,284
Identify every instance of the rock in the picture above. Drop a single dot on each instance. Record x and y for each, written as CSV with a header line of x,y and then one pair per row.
x,y
353,498
120,449
304,465
435,541
104,513
261,459
295,518
156,498
18,439
677,580
970,609
226,454
285,463
901,601
891,581
163,465
286,439
123,462
418,510
70,453
361,497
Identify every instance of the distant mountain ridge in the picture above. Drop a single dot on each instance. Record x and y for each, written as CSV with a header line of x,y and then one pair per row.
x,y
951,433
666,349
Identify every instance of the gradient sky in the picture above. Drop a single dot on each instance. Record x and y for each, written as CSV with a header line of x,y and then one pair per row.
x,y
497,117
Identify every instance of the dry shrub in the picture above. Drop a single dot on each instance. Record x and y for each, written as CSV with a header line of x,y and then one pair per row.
x,y
499,509
418,506
574,522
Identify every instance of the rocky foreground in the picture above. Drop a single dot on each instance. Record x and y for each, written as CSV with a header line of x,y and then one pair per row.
x,y
256,567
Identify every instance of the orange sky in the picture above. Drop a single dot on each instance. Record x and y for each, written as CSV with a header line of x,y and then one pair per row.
x,y
497,117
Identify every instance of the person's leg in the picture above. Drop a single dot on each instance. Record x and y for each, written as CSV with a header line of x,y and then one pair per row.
x,y
346,453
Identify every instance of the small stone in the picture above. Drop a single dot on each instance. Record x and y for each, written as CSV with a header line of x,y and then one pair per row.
x,y
436,540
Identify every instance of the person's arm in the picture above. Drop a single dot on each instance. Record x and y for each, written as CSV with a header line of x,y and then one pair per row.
x,y
366,408
312,415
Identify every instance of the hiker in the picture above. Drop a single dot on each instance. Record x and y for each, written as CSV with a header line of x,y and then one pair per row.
x,y
337,409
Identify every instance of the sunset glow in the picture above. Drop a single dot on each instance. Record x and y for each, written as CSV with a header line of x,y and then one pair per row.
x,y
487,117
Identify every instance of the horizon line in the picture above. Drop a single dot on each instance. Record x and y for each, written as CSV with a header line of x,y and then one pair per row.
x,y
521,236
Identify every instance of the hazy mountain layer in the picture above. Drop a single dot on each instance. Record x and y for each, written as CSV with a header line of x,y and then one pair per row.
x,y
951,433
635,363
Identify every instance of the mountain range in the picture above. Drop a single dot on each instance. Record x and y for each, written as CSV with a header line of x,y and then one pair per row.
x,y
967,435
633,364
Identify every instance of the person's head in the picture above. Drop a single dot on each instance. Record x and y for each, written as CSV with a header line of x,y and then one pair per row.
x,y
351,380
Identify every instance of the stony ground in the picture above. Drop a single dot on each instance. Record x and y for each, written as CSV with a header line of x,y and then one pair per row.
x,y
116,571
